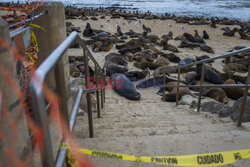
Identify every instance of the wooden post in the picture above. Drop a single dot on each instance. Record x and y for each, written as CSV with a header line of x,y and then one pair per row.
x,y
21,148
201,83
90,119
178,88
244,100
97,93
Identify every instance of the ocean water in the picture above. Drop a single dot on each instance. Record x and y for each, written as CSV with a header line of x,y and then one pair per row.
x,y
233,9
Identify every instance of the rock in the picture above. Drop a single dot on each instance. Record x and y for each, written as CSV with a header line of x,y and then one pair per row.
x,y
187,100
210,106
234,110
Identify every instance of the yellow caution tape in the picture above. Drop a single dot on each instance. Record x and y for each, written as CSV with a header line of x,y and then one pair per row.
x,y
37,26
34,41
210,159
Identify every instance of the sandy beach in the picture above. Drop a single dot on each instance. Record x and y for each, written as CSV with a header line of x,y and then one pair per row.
x,y
151,127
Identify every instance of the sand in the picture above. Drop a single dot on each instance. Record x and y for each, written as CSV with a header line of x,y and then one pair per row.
x,y
151,127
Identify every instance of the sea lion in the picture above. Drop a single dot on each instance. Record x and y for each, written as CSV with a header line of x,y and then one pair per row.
x,y
162,60
216,93
166,68
171,57
117,60
235,67
112,68
243,35
124,87
129,56
213,23
206,48
99,46
88,32
205,35
210,75
233,92
135,75
190,77
145,64
230,33
171,96
198,37
146,29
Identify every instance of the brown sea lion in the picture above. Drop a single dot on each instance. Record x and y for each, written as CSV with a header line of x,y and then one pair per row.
x,y
166,68
162,60
233,92
134,75
230,33
216,93
171,96
112,68
235,67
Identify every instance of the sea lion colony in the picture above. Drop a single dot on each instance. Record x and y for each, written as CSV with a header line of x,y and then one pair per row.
x,y
141,50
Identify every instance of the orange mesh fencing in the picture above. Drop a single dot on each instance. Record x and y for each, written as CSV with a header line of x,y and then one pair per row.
x,y
28,62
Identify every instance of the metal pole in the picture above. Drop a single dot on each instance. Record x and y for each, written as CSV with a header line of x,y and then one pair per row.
x,y
201,83
90,119
97,93
244,100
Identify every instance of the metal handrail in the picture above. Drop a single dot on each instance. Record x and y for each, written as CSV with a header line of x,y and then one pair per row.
x,y
38,101
63,151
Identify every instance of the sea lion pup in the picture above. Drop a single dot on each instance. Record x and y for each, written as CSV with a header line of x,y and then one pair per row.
x,y
235,67
217,94
135,75
230,33
124,87
88,32
210,75
205,35
146,29
171,96
145,64
233,93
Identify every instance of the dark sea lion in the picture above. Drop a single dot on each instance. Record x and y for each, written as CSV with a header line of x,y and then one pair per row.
x,y
124,87
205,35
171,57
206,48
117,60
210,75
243,35
171,96
100,35
198,58
145,64
88,32
118,31
233,93
135,75
146,29
190,77
230,33
112,68
198,37
213,23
